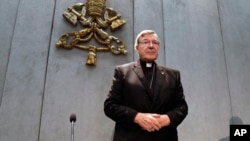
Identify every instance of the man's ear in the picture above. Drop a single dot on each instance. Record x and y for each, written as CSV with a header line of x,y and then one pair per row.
x,y
136,48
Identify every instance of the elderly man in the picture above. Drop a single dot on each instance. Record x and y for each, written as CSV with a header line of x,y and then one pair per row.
x,y
146,100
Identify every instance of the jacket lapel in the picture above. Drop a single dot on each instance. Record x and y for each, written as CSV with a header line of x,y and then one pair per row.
x,y
160,76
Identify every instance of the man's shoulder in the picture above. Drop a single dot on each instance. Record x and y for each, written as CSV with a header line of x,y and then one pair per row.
x,y
167,68
127,65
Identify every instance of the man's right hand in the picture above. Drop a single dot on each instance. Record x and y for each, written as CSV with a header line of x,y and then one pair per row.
x,y
148,121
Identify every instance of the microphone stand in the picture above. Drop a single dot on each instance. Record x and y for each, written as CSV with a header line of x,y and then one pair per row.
x,y
72,120
72,130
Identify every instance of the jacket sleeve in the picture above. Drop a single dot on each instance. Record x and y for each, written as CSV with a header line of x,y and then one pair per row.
x,y
180,108
113,106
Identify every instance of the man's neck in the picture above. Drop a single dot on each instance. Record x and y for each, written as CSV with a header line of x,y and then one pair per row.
x,y
146,64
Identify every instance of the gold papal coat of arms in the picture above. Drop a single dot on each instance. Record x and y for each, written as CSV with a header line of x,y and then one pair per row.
x,y
94,16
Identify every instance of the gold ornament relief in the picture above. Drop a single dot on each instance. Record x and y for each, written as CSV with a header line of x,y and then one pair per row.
x,y
95,18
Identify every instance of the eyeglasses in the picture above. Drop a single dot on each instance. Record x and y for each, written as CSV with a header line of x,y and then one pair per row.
x,y
155,43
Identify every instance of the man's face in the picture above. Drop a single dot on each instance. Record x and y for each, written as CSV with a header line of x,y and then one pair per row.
x,y
148,47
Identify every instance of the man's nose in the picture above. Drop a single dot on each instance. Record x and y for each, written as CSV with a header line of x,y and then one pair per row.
x,y
151,44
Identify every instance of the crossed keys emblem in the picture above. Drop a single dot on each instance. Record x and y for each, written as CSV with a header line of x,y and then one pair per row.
x,y
95,17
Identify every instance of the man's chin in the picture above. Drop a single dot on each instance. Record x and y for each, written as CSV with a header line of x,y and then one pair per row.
x,y
150,60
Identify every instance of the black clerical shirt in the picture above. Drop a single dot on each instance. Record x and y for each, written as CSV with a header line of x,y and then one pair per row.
x,y
149,70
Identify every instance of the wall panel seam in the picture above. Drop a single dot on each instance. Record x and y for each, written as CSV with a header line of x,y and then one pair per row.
x,y
9,53
224,55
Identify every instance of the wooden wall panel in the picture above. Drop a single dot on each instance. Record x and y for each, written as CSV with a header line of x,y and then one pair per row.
x,y
24,85
73,87
8,12
235,18
194,46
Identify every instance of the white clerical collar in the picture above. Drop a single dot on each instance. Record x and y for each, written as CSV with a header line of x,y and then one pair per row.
x,y
148,65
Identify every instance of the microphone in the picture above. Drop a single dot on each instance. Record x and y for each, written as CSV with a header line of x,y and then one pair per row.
x,y
72,119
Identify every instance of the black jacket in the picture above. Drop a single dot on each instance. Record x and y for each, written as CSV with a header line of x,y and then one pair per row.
x,y
130,94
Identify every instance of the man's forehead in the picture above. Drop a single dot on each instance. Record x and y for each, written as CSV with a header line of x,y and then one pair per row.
x,y
148,36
